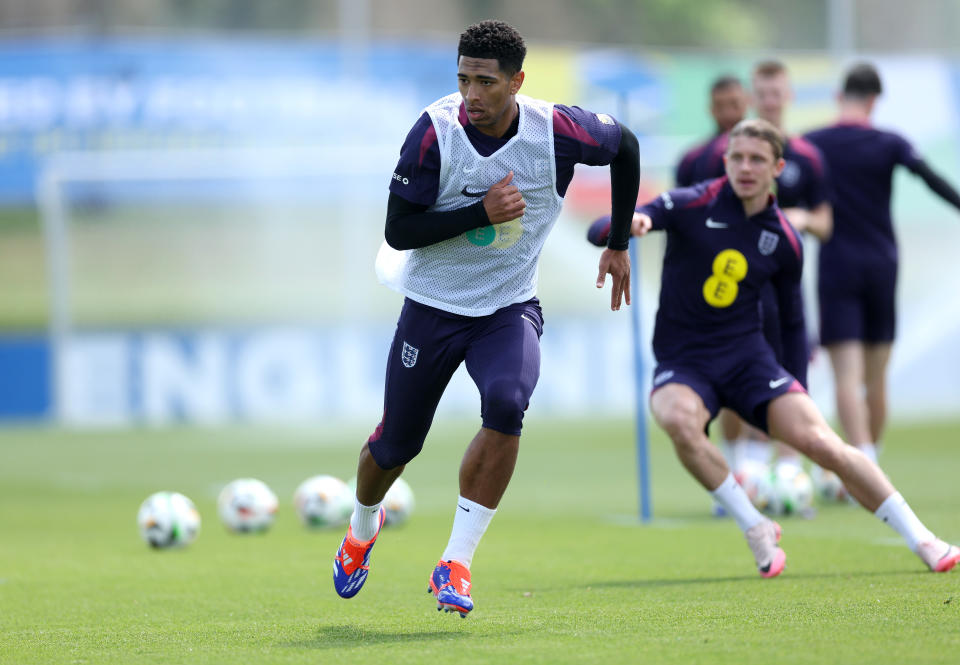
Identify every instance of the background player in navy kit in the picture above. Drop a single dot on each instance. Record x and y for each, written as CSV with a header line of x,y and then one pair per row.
x,y
727,239
478,186
858,266
802,194
728,106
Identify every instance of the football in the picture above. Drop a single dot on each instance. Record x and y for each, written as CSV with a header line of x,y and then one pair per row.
x,y
168,519
247,505
792,490
828,485
754,477
323,502
398,503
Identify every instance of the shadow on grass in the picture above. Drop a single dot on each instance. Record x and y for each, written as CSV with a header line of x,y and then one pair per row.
x,y
648,583
641,583
344,636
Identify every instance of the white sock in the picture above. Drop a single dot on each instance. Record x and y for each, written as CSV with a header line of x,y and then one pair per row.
x,y
729,450
364,520
895,512
870,450
469,524
736,502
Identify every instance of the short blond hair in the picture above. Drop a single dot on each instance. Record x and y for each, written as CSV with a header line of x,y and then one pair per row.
x,y
758,128
769,68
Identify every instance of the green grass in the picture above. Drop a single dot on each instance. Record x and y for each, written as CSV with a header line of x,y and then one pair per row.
x,y
564,575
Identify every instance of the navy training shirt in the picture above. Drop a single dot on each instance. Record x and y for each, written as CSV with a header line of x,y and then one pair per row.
x,y
803,182
703,162
716,262
579,137
861,160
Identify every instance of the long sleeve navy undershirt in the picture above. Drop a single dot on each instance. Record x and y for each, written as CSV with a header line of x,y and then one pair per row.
x,y
624,185
937,184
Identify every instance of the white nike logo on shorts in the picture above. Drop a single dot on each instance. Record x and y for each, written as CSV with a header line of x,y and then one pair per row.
x,y
779,382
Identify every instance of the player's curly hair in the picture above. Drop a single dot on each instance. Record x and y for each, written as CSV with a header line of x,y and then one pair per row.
x,y
494,40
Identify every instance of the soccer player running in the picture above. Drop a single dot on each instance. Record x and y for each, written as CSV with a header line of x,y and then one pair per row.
x,y
727,239
478,186
728,106
858,266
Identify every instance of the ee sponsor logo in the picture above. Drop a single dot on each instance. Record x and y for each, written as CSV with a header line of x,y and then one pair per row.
x,y
729,269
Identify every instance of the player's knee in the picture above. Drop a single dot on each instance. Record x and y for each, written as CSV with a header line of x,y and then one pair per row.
x,y
389,456
391,449
503,405
679,419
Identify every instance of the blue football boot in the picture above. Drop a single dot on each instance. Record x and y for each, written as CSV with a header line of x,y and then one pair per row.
x,y
352,564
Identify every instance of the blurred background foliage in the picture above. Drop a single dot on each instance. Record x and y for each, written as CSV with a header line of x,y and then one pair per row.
x,y
866,25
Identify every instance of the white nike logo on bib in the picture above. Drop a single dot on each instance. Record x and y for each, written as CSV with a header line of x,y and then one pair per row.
x,y
715,225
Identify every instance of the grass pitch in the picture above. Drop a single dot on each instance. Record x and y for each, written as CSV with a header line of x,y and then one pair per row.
x,y
564,575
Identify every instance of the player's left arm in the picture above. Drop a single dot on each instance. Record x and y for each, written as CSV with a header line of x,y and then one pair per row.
x,y
624,186
793,333
937,184
816,215
817,221
597,139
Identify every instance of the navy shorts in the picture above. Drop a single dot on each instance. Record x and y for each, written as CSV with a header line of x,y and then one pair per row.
x,y
857,301
502,355
743,379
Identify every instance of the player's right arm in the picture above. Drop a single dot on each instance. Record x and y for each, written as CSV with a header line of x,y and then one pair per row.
x,y
415,186
655,215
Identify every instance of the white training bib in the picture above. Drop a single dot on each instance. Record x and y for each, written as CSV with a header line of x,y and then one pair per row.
x,y
485,269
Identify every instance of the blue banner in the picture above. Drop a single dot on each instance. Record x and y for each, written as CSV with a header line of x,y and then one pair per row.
x,y
179,94
25,379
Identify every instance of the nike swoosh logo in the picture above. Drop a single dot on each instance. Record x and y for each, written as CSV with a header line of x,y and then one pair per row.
x,y
473,195
779,382
716,225
462,508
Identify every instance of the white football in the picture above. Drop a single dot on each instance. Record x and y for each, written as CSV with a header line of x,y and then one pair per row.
x,y
168,519
398,503
828,485
323,501
792,490
754,477
247,504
